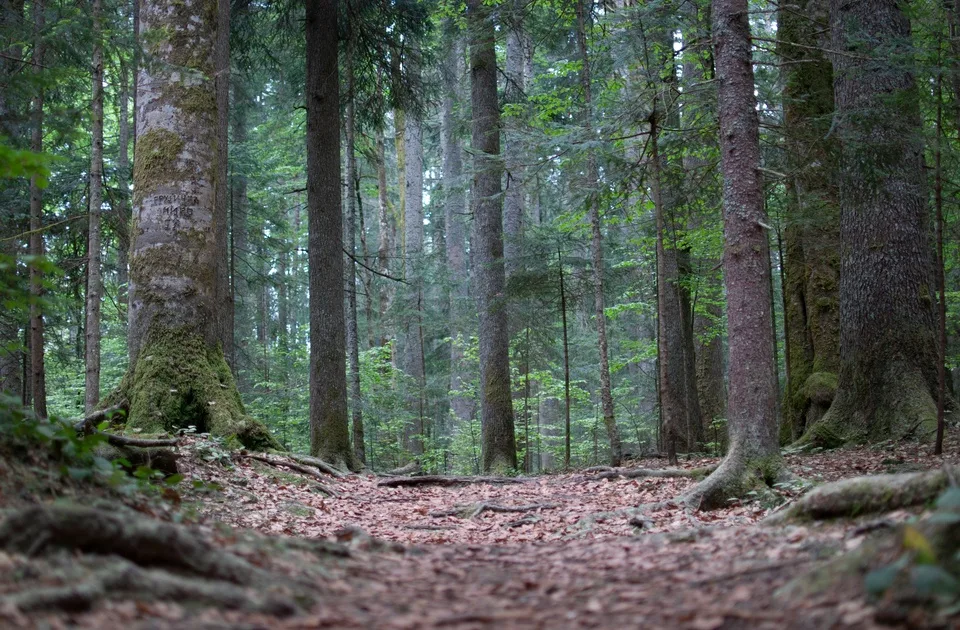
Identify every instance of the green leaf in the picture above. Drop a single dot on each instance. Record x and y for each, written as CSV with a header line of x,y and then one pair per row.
x,y
879,580
949,500
930,579
944,518
173,480
79,473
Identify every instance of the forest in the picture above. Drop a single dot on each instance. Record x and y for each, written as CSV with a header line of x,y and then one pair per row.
x,y
438,313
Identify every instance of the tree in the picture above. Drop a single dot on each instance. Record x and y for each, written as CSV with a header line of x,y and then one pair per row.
x,y
38,385
888,355
94,278
812,235
178,375
499,441
754,456
592,178
329,426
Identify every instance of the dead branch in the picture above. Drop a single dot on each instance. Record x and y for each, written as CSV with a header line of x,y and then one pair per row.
x,y
90,422
304,470
636,473
865,495
472,510
439,480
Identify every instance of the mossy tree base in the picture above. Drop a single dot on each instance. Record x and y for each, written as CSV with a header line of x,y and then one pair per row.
x,y
897,405
738,477
178,381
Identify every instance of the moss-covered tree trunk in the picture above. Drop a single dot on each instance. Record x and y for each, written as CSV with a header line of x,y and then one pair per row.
x,y
812,235
178,376
329,426
754,455
499,441
888,357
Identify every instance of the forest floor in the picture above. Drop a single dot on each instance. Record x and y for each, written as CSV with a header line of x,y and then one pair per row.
x,y
574,556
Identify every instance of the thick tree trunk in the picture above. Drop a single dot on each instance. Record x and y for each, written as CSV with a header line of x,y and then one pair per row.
x,y
596,246
754,456
221,190
94,272
353,332
37,371
178,375
455,209
812,235
413,238
329,427
888,357
499,441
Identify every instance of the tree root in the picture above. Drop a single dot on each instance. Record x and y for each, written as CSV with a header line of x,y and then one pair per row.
x,y
864,495
304,470
90,422
318,463
636,473
439,480
123,440
472,510
636,516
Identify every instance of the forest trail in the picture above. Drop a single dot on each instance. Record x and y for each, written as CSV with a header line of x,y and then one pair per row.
x,y
429,557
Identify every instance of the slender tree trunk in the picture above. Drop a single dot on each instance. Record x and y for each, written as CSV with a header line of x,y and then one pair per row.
x,y
353,332
513,95
240,250
596,245
566,366
122,221
94,261
455,208
812,235
329,427
385,232
37,371
754,456
888,354
178,375
221,220
941,280
497,424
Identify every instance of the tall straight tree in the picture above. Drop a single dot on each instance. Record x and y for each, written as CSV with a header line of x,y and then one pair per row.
x,y
178,375
329,426
517,44
812,234
497,427
94,277
454,218
592,177
887,387
221,189
38,387
754,456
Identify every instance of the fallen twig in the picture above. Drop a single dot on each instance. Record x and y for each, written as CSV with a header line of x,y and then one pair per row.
x,y
439,480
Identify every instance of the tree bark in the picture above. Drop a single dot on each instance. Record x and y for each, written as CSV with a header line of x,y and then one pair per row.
x,y
385,231
812,234
754,456
122,220
888,357
178,375
37,370
455,207
94,276
221,190
353,333
513,208
596,245
497,425
240,240
329,427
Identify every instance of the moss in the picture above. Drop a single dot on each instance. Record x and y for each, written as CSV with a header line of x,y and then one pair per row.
x,y
199,100
820,387
178,381
155,161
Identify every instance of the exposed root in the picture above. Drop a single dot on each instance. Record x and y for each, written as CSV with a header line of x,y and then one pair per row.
x,y
439,480
161,459
277,462
737,478
319,464
123,440
864,495
90,423
636,516
637,473
410,469
472,510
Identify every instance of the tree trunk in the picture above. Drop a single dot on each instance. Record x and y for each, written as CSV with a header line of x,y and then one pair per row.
x,y
178,376
513,95
566,366
455,208
499,441
754,456
596,245
239,251
122,220
37,371
353,332
329,427
413,238
94,277
812,234
221,190
888,357
385,231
